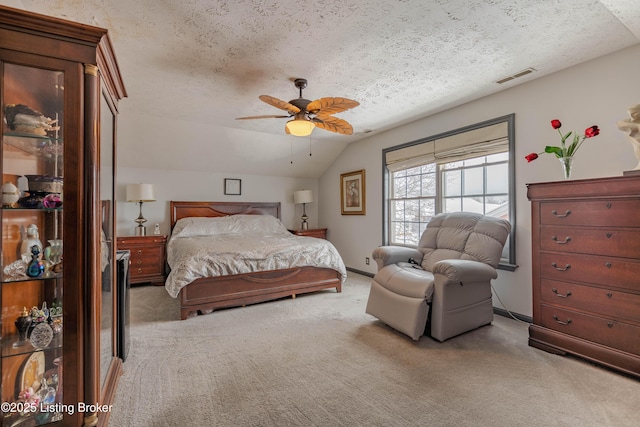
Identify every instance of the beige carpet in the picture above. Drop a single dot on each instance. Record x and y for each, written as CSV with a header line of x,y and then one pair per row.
x,y
319,360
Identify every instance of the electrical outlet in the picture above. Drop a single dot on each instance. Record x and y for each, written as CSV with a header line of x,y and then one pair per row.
x,y
366,260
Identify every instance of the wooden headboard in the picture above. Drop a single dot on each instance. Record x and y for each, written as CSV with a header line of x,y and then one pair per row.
x,y
215,209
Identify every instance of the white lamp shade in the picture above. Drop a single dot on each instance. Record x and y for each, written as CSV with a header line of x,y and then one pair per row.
x,y
141,193
302,196
300,127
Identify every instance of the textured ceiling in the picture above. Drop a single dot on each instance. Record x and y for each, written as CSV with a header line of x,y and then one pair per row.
x,y
206,62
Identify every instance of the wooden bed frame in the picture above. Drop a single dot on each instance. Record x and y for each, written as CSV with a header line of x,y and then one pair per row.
x,y
207,294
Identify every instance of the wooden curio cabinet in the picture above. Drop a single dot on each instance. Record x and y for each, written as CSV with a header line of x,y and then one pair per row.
x,y
59,90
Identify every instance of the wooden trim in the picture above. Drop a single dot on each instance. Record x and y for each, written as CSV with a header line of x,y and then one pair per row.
x,y
559,343
110,387
92,284
207,294
617,186
51,27
110,71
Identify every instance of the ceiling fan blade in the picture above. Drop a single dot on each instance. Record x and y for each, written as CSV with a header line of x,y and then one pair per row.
x,y
328,106
278,103
261,117
334,124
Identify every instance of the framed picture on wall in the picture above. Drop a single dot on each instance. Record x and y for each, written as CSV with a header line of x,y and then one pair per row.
x,y
232,186
352,193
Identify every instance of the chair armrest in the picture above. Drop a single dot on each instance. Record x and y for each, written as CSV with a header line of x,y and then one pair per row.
x,y
385,255
460,270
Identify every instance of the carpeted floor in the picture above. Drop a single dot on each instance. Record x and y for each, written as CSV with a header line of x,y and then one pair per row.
x,y
319,360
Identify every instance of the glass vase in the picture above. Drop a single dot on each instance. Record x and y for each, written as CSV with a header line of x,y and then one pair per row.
x,y
566,163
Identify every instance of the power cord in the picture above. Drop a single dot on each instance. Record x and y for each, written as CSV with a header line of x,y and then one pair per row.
x,y
504,307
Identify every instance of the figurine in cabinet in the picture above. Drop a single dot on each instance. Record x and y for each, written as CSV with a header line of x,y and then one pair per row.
x,y
31,237
10,195
23,322
35,268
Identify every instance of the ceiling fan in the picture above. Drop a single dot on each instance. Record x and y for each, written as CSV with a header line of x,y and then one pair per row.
x,y
306,115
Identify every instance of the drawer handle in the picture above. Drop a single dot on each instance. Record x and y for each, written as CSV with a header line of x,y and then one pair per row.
x,y
139,251
139,261
609,295
139,270
565,268
563,242
555,291
610,324
608,205
566,214
568,322
609,235
607,264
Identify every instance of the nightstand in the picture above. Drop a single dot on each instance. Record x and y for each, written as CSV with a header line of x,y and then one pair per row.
x,y
148,255
320,233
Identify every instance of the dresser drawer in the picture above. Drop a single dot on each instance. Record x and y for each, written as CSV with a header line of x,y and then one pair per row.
x,y
320,233
146,254
605,302
601,241
138,270
620,213
615,272
608,332
149,265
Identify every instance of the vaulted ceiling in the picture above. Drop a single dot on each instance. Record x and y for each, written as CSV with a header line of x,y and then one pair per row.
x,y
206,62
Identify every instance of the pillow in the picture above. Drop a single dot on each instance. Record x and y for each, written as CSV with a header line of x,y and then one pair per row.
x,y
233,224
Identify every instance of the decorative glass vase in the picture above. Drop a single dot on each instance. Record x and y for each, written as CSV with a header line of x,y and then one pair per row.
x,y
566,163
22,326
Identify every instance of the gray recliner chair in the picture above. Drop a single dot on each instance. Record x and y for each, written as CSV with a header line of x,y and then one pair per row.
x,y
450,272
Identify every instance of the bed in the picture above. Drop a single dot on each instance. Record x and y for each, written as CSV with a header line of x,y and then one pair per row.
x,y
203,282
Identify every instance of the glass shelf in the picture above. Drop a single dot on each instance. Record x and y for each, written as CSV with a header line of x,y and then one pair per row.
x,y
45,147
45,276
9,348
19,208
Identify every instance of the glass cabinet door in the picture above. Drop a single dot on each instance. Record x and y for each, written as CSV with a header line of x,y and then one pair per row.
x,y
32,296
107,242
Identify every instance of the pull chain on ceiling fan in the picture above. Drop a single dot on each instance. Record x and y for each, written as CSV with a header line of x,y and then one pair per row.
x,y
306,115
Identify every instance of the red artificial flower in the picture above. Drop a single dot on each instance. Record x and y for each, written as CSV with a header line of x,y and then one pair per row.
x,y
566,148
591,132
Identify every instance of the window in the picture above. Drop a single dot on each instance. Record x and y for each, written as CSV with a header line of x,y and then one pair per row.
x,y
466,170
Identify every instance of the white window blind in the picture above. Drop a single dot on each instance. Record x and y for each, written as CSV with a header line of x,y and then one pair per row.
x,y
474,143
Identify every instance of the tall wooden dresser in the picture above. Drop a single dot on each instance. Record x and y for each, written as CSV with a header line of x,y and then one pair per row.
x,y
586,270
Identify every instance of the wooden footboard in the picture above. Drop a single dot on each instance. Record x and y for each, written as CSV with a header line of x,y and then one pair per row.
x,y
208,294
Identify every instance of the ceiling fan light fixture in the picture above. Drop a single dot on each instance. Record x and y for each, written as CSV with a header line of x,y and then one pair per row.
x,y
300,127
306,115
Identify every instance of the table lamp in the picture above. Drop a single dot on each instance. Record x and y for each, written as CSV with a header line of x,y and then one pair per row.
x,y
140,193
303,197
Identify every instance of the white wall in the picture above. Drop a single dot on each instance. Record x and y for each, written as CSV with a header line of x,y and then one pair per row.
x,y
193,185
597,92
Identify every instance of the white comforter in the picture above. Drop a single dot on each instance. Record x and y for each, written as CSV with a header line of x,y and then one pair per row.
x,y
209,247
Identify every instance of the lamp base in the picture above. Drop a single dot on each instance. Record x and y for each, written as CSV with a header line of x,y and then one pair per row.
x,y
141,230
